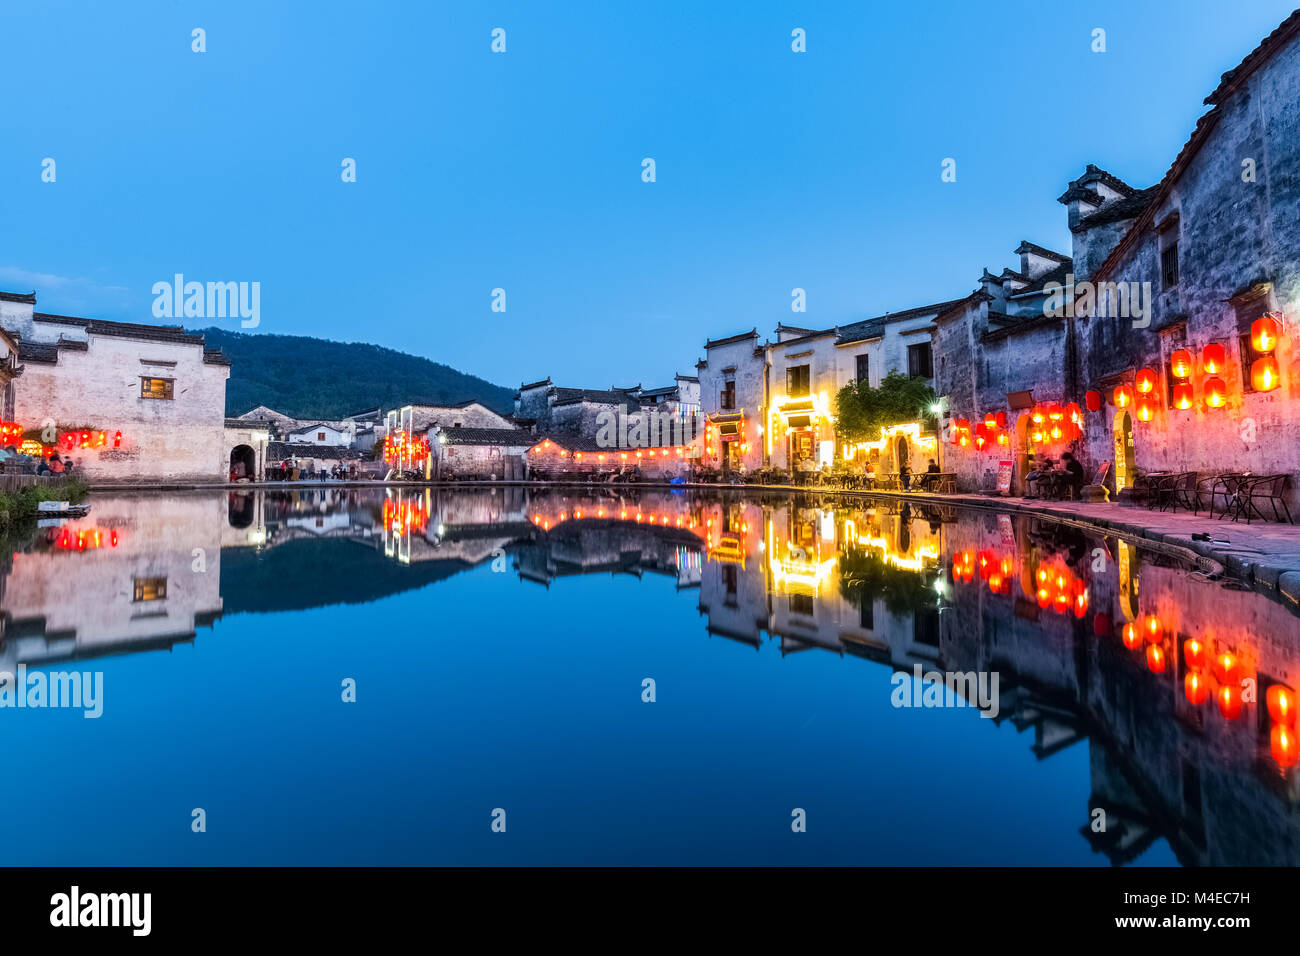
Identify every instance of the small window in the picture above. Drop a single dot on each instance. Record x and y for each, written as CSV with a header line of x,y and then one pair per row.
x,y
798,380
156,388
150,589
920,361
320,436
1169,264
728,395
802,604
867,613
863,370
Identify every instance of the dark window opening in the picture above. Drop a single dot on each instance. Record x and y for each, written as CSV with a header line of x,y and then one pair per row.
x,y
920,361
863,369
1169,265
798,381
728,395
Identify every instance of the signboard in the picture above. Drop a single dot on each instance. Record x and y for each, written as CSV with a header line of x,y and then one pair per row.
x,y
1004,477
1100,479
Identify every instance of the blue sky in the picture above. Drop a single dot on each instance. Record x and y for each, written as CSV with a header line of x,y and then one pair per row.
x,y
522,170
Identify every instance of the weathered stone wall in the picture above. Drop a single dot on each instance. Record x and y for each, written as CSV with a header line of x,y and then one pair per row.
x,y
1231,234
181,439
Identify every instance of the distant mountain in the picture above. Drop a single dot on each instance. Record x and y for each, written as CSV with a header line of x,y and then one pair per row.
x,y
307,377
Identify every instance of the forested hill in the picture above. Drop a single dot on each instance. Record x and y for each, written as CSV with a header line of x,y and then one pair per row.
x,y
306,377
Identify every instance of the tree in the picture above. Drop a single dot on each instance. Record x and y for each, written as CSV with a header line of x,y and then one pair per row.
x,y
862,411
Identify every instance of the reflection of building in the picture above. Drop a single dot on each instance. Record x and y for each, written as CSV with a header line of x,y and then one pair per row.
x,y
137,574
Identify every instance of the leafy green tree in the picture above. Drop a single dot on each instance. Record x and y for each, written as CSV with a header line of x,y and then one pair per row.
x,y
861,411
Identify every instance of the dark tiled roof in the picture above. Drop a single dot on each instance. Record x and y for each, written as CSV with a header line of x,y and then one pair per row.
x,y
26,297
280,450
1028,247
545,381
804,338
1129,207
486,436
38,352
871,328
686,378
215,357
572,396
1052,275
731,339
73,345
60,319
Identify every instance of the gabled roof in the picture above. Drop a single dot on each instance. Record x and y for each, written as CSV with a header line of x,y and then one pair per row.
x,y
516,437
731,339
543,382
875,327
1129,207
1028,247
28,298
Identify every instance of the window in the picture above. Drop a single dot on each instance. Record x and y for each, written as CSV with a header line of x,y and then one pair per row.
x,y
801,604
1169,264
798,380
150,589
920,361
156,387
320,436
867,613
1248,310
863,368
728,394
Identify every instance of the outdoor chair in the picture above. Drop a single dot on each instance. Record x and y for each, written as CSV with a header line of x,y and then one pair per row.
x,y
1269,488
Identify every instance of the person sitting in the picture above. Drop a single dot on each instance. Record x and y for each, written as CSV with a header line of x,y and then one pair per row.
x,y
1074,480
869,475
44,467
905,476
67,465
56,465
1040,473
931,476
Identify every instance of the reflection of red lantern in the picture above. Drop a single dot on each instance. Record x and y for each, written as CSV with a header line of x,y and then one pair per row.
x,y
1195,688
1145,381
1264,333
1132,636
1194,653
1213,359
1122,396
1264,373
1180,363
1183,396
1282,742
1156,659
1225,668
1216,393
1092,399
1151,625
1229,698
1281,704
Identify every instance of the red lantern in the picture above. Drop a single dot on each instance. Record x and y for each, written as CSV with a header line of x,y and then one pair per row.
x,y
1229,698
1074,413
1281,704
1180,363
1196,688
1225,668
1216,393
1145,381
1194,653
1038,415
1156,659
1132,636
1264,333
1183,396
1151,625
1213,358
1145,408
990,421
1122,397
1282,742
1092,399
1001,419
1264,373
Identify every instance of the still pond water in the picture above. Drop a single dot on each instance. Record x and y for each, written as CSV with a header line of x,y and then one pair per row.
x,y
502,643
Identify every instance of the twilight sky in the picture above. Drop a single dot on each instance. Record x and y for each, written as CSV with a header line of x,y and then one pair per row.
x,y
522,170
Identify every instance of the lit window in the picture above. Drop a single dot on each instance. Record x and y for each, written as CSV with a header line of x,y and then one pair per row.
x,y
156,388
150,589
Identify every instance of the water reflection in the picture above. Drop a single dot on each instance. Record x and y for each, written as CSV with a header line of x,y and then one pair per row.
x,y
1162,675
